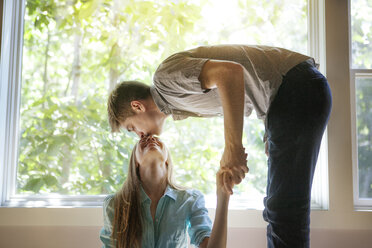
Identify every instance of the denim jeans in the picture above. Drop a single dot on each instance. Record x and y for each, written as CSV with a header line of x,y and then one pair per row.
x,y
295,123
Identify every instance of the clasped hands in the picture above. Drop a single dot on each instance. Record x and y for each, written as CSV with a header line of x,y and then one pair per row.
x,y
233,167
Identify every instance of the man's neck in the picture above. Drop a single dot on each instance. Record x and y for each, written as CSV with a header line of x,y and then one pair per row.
x,y
151,105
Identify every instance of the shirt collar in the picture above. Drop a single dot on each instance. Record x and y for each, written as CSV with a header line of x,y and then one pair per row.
x,y
169,192
165,107
159,101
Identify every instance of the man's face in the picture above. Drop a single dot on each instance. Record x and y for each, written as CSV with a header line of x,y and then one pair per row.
x,y
144,123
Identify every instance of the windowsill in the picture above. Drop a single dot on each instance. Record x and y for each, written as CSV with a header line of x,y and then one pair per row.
x,y
237,202
92,216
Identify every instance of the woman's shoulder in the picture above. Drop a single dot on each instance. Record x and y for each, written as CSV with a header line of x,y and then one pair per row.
x,y
194,192
189,194
108,202
108,211
109,198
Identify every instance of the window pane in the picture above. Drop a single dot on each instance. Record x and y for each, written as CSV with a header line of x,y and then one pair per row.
x,y
364,125
76,51
361,30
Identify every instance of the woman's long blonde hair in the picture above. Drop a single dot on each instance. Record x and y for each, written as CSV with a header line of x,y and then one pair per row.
x,y
127,225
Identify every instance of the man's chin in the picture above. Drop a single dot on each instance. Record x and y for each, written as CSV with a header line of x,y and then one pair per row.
x,y
153,132
157,131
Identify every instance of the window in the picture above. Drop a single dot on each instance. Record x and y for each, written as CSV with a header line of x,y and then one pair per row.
x,y
361,81
57,146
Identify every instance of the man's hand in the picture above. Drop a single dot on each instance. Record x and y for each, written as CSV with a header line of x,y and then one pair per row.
x,y
233,166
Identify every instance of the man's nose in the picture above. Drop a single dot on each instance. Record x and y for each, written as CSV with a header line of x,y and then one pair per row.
x,y
140,133
151,138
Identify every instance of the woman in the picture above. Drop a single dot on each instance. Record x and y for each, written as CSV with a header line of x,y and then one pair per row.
x,y
151,211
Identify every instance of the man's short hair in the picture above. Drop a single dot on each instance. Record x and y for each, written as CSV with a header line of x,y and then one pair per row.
x,y
118,104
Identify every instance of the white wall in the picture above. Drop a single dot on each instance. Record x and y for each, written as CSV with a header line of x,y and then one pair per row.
x,y
340,226
86,236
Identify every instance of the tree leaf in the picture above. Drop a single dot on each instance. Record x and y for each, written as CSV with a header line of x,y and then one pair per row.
x,y
34,185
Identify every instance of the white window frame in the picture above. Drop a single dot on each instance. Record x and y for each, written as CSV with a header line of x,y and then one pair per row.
x,y
317,49
359,203
12,45
11,53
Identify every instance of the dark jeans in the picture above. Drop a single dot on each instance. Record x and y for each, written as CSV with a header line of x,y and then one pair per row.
x,y
295,124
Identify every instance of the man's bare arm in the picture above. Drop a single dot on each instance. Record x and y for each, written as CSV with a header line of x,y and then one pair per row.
x,y
228,77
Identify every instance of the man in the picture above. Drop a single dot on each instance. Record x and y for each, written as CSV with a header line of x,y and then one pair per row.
x,y
283,87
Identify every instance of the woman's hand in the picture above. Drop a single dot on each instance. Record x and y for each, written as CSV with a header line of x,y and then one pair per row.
x,y
233,167
221,191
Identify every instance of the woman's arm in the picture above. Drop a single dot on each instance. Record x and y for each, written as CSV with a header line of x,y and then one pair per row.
x,y
218,238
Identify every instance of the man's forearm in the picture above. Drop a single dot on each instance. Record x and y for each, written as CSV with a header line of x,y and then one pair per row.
x,y
232,98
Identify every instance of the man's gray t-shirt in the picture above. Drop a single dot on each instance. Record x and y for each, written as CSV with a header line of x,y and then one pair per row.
x,y
177,89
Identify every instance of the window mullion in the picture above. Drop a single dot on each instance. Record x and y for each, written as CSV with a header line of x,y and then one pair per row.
x,y
316,32
361,73
354,138
316,49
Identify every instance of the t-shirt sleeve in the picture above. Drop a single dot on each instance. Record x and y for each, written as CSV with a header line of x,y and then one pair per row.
x,y
200,223
179,74
108,217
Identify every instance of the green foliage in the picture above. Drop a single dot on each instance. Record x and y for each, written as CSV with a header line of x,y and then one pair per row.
x,y
75,51
66,148
65,145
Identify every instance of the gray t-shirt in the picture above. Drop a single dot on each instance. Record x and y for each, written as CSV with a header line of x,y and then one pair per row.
x,y
177,89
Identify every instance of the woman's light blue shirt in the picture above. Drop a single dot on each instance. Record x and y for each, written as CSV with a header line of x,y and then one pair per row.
x,y
178,211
